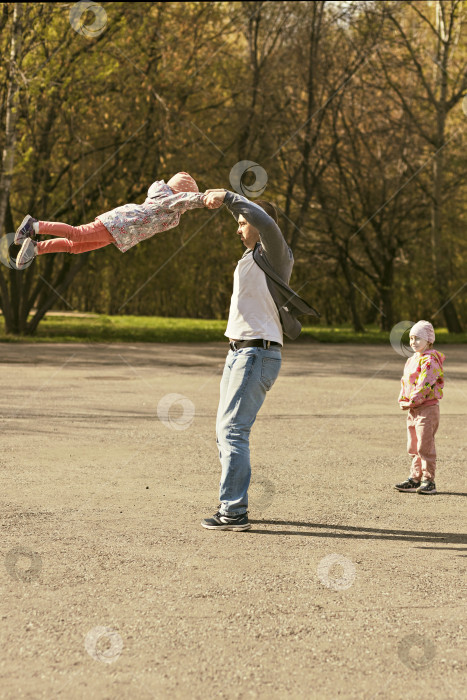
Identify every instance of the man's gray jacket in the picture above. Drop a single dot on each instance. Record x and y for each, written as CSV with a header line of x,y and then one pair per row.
x,y
275,258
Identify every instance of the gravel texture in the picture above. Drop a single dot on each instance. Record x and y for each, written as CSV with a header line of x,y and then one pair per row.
x,y
343,588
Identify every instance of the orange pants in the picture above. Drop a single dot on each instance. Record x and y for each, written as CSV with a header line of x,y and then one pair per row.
x,y
76,239
422,424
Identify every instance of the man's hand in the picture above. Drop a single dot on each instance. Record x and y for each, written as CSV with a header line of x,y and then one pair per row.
x,y
213,199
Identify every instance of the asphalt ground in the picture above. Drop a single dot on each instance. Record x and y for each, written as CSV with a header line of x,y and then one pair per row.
x,y
111,588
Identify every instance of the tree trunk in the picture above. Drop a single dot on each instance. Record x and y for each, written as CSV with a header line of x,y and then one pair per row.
x,y
59,289
8,159
252,37
8,156
14,324
371,315
356,321
386,317
386,296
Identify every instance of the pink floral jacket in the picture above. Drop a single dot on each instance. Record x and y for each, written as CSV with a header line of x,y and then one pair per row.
x,y
422,383
161,210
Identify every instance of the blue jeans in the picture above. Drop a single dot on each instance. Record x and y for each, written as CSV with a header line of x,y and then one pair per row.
x,y
248,374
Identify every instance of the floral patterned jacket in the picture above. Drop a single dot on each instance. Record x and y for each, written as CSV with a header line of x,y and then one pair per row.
x,y
161,210
422,383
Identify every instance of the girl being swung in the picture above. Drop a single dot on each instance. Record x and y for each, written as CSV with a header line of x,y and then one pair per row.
x,y
124,226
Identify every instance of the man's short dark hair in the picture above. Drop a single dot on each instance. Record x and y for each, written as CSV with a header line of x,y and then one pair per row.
x,y
269,208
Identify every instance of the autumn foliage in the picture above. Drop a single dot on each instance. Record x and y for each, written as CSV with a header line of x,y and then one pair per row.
x,y
354,111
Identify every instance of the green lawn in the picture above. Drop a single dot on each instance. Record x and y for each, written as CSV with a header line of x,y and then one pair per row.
x,y
121,329
154,329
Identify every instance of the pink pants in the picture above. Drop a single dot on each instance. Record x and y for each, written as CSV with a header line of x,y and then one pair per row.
x,y
77,239
422,424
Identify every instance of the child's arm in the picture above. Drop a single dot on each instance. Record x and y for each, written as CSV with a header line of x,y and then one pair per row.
x,y
430,372
166,199
182,201
403,398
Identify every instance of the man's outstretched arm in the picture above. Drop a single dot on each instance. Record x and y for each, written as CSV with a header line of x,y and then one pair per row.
x,y
272,239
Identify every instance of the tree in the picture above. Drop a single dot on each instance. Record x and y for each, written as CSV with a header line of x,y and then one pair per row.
x,y
10,112
438,34
44,163
331,99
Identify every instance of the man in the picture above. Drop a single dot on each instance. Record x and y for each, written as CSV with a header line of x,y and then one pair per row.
x,y
262,308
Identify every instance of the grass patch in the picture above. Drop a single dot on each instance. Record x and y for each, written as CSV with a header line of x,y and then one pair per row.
x,y
121,329
372,335
156,329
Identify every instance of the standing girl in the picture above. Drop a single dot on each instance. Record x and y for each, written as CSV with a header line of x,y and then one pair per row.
x,y
421,390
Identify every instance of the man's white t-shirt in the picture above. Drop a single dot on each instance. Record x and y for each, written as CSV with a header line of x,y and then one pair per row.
x,y
253,312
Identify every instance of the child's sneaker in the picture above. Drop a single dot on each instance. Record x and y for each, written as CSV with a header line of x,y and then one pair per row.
x,y
27,253
427,488
409,485
25,230
225,522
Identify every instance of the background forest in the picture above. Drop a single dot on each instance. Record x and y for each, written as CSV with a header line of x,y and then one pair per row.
x,y
355,111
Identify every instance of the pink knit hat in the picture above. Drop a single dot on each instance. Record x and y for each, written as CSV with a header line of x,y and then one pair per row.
x,y
423,329
182,182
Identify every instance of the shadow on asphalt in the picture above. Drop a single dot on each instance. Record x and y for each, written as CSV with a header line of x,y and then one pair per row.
x,y
456,549
364,533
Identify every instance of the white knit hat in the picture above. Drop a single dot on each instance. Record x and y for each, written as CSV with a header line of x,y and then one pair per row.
x,y
424,329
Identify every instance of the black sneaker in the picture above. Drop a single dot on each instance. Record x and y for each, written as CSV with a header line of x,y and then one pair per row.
x,y
409,485
225,522
427,488
25,230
